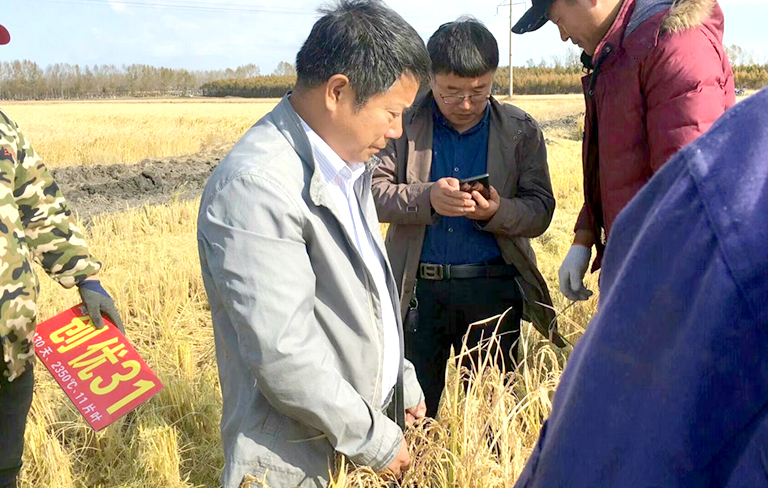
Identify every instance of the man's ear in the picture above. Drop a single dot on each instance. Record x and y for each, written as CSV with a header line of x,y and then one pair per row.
x,y
432,83
337,90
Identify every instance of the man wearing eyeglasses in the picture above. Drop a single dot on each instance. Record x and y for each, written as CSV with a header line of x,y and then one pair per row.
x,y
460,256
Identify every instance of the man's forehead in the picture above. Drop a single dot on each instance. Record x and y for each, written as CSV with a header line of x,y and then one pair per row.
x,y
567,4
402,92
452,80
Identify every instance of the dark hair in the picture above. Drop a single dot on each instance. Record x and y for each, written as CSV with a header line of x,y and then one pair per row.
x,y
366,41
464,47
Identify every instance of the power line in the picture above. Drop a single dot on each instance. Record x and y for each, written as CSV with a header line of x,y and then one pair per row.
x,y
212,3
203,6
193,6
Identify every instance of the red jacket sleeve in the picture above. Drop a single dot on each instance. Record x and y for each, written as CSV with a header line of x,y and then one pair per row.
x,y
688,84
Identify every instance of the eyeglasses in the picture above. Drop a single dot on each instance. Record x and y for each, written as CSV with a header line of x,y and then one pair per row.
x,y
457,99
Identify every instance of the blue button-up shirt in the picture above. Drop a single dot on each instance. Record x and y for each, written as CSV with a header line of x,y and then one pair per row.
x,y
457,240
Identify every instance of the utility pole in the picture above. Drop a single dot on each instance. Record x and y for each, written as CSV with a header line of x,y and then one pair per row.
x,y
511,24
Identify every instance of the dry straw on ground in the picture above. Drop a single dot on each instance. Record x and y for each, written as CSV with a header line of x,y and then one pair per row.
x,y
111,132
487,423
482,439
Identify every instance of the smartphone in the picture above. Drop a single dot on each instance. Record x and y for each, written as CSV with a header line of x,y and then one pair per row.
x,y
477,183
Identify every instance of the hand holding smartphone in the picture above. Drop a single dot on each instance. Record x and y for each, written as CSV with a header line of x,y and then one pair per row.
x,y
477,183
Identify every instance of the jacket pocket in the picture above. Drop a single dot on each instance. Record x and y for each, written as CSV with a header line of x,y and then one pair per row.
x,y
272,421
262,476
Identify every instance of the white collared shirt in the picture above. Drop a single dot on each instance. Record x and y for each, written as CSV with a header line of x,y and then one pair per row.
x,y
340,178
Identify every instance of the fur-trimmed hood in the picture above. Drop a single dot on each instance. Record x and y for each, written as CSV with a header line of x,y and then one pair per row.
x,y
681,14
685,14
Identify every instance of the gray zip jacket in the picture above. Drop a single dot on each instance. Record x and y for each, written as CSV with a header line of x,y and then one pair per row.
x,y
297,321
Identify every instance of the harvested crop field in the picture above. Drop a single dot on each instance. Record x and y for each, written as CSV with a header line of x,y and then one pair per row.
x,y
140,209
116,175
93,188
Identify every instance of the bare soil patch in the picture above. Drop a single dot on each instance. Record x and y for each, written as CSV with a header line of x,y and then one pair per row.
x,y
570,127
91,190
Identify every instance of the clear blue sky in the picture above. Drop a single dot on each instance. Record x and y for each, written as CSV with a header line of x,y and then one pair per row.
x,y
217,34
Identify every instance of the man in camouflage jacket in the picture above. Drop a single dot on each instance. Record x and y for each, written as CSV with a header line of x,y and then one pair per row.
x,y
35,224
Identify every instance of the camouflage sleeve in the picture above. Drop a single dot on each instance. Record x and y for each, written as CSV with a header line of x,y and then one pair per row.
x,y
52,235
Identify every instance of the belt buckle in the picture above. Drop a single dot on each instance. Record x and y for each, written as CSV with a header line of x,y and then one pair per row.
x,y
432,272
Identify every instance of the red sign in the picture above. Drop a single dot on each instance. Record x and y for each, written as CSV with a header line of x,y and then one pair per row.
x,y
98,369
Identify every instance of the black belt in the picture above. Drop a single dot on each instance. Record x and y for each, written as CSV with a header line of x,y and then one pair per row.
x,y
439,272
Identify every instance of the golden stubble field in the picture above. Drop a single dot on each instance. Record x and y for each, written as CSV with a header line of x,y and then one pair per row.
x,y
152,271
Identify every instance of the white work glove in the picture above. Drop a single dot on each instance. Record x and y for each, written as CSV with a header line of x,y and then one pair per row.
x,y
572,273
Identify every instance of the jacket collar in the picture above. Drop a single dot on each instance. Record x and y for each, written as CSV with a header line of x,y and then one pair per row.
x,y
644,10
680,14
328,162
421,108
290,126
615,34
500,146
289,123
418,134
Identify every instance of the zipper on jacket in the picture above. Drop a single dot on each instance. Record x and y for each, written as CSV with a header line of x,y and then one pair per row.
x,y
371,309
596,69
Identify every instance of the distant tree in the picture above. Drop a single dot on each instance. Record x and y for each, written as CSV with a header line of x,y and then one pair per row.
x,y
247,71
87,84
285,68
557,61
738,56
570,61
573,58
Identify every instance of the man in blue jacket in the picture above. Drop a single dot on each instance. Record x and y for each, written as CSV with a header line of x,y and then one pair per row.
x,y
668,385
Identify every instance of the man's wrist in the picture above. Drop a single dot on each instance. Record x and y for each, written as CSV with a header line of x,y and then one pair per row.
x,y
584,238
94,285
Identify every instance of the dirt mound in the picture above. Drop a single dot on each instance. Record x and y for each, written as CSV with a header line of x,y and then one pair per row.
x,y
91,190
570,127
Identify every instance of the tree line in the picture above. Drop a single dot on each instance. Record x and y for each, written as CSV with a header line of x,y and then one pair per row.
x,y
26,80
526,81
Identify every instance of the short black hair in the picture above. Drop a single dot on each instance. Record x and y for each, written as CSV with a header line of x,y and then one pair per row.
x,y
366,41
464,47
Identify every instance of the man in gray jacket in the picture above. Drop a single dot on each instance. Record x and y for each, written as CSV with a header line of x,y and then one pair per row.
x,y
467,255
303,300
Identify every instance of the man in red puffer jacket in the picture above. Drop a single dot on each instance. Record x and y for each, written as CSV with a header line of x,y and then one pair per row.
x,y
657,78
